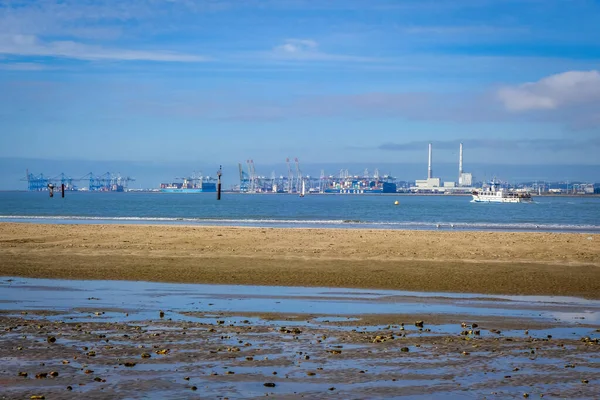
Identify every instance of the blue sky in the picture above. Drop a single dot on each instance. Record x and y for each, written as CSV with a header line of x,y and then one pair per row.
x,y
222,81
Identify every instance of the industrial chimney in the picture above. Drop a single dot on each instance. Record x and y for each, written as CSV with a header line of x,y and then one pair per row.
x,y
429,172
460,160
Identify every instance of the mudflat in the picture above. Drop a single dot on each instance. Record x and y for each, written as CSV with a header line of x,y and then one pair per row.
x,y
92,355
564,264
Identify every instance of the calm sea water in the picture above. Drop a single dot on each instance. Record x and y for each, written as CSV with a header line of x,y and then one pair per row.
x,y
580,214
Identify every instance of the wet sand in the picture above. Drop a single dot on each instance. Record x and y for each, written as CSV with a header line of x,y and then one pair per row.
x,y
468,262
225,359
96,340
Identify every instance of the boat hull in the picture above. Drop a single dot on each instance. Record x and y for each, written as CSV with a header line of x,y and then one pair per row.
x,y
497,199
353,191
174,190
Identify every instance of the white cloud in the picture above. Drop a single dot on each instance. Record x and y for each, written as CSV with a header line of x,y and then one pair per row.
x,y
308,50
29,45
558,91
295,46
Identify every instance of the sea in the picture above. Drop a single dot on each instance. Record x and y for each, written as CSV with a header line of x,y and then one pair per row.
x,y
416,212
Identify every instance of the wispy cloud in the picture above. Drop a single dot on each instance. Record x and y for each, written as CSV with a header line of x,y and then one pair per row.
x,y
443,30
23,66
571,99
28,45
575,107
308,50
555,145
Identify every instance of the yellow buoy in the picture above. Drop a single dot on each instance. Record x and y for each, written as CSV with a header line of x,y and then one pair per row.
x,y
396,202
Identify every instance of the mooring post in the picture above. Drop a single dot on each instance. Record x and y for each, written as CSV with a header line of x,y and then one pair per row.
x,y
62,190
219,173
51,189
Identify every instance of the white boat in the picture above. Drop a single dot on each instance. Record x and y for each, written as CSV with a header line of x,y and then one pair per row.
x,y
495,194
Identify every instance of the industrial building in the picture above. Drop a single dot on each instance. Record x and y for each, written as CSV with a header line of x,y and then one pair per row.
x,y
464,178
433,185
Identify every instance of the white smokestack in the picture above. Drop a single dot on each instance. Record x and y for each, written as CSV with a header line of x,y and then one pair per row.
x,y
460,160
429,172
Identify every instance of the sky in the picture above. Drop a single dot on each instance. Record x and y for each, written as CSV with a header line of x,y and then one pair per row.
x,y
327,81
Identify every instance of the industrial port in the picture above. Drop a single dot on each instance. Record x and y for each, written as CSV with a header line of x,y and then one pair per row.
x,y
293,181
107,182
344,182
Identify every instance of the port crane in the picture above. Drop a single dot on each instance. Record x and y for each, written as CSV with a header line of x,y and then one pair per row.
x,y
105,182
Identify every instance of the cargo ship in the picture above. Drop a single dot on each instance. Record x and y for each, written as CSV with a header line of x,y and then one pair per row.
x,y
195,184
360,186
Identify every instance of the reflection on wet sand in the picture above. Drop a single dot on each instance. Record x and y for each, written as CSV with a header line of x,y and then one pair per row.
x,y
137,339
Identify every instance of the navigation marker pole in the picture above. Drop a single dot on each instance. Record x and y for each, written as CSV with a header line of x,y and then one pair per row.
x,y
219,173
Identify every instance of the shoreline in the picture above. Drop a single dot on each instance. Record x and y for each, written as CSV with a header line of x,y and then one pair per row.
x,y
157,191
562,264
303,224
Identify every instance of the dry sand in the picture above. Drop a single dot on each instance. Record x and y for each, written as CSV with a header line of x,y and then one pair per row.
x,y
477,262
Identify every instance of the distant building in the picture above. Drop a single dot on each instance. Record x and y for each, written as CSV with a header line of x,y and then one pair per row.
x,y
465,179
429,183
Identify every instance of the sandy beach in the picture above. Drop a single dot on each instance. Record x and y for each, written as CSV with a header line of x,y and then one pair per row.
x,y
63,338
475,262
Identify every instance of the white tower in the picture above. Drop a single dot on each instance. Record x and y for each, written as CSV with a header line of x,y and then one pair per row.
x,y
460,165
429,172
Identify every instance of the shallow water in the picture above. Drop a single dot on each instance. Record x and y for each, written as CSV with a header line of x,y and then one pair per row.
x,y
142,300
